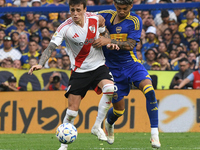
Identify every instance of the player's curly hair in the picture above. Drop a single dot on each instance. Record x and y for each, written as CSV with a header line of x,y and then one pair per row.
x,y
124,2
75,2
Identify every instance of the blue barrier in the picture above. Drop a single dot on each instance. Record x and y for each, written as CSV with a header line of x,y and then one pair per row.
x,y
101,7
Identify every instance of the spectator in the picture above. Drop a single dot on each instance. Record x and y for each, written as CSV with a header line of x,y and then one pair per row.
x,y
8,50
150,55
189,36
13,25
45,32
66,62
173,25
165,19
152,41
44,43
194,47
35,3
21,3
56,3
148,21
190,16
7,63
59,62
44,3
174,62
194,76
15,39
23,43
32,52
21,27
156,66
63,50
29,20
32,61
176,40
10,85
42,22
184,71
162,48
197,34
172,55
192,61
17,64
55,82
52,62
167,37
2,34
35,26
164,61
2,24
62,16
90,3
35,36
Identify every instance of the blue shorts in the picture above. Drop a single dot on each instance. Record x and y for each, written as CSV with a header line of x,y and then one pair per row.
x,y
125,76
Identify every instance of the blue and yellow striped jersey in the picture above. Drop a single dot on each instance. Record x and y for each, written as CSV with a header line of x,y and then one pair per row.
x,y
130,27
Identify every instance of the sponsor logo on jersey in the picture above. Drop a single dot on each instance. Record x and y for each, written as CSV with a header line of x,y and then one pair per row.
x,y
87,41
92,28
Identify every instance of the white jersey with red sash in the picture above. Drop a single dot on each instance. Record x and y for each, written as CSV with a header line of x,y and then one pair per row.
x,y
83,56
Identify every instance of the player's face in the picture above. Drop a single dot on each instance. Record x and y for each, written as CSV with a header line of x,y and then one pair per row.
x,y
77,13
123,10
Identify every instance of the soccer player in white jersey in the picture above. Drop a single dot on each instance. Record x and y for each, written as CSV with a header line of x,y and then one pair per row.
x,y
87,62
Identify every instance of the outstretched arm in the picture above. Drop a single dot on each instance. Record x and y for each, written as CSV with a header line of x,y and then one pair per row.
x,y
182,84
45,56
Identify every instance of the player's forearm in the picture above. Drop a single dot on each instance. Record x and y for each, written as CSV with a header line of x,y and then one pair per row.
x,y
47,53
125,45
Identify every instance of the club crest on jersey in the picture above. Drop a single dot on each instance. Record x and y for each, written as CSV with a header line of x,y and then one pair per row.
x,y
92,28
118,29
55,34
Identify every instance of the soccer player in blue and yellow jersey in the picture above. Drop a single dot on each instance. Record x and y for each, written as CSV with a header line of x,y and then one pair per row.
x,y
125,31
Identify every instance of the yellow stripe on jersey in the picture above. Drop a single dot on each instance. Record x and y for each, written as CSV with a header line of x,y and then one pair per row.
x,y
134,57
107,11
119,37
135,20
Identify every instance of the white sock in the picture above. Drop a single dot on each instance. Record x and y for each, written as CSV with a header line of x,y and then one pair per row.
x,y
70,116
154,131
104,104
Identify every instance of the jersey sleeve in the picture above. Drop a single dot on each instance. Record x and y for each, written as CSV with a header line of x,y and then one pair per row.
x,y
135,28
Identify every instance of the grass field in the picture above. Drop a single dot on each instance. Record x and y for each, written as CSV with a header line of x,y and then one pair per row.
x,y
123,141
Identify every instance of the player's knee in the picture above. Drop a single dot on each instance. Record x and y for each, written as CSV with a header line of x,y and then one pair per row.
x,y
118,113
108,90
149,92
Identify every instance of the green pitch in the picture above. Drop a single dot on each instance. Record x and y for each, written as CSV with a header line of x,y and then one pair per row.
x,y
123,141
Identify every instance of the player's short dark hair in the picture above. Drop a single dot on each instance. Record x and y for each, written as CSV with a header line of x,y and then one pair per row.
x,y
124,2
75,2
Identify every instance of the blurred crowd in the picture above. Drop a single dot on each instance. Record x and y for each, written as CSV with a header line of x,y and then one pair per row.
x,y
168,36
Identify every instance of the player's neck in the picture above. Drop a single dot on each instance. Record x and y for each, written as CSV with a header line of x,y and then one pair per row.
x,y
80,22
118,19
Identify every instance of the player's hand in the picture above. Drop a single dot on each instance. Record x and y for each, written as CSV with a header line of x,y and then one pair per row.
x,y
101,41
35,67
112,47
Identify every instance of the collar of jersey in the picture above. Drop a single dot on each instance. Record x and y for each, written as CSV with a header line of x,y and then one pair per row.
x,y
114,15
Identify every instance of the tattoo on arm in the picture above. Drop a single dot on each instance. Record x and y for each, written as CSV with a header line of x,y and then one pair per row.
x,y
47,53
106,34
125,45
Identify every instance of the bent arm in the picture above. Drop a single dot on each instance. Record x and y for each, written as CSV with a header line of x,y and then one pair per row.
x,y
47,53
125,45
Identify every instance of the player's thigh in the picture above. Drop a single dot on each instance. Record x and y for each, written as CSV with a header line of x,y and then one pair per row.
x,y
79,84
138,74
102,76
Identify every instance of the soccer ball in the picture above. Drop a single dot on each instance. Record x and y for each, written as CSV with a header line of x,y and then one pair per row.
x,y
66,133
